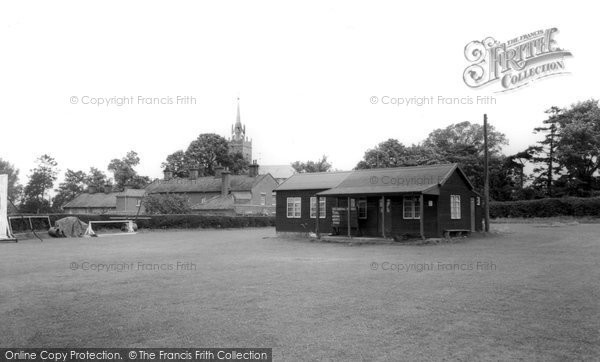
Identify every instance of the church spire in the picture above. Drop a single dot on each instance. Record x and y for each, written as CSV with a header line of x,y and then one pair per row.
x,y
239,142
239,131
238,118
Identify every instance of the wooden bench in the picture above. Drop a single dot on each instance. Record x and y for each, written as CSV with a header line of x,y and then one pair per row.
x,y
457,232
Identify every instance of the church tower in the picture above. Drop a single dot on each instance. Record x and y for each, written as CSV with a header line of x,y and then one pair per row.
x,y
239,142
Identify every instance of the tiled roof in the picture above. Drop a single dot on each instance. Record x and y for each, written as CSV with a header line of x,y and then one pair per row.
x,y
219,202
203,184
277,171
132,193
394,180
373,181
313,181
99,200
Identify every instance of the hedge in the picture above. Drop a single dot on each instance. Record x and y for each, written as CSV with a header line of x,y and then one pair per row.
x,y
171,221
568,206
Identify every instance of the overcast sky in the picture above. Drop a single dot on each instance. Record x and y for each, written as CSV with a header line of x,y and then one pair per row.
x,y
305,73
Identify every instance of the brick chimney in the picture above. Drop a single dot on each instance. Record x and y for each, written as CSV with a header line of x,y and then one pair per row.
x,y
91,189
168,174
201,171
218,170
253,169
193,172
225,182
107,188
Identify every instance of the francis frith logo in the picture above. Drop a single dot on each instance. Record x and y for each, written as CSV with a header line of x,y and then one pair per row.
x,y
516,62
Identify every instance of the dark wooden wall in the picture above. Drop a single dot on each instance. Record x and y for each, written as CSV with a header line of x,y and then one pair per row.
x,y
456,185
436,217
304,223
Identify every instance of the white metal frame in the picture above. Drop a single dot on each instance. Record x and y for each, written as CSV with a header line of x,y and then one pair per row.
x,y
5,229
90,231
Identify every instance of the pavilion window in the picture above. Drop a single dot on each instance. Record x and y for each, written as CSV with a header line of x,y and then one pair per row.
x,y
411,207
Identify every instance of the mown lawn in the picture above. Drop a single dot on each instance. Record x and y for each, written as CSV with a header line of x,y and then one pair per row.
x,y
538,299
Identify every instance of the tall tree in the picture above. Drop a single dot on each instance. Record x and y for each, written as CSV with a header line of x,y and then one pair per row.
x,y
389,153
40,182
578,149
392,153
503,183
465,134
211,150
420,154
238,165
96,178
462,143
178,163
124,173
14,188
516,164
321,165
543,155
73,184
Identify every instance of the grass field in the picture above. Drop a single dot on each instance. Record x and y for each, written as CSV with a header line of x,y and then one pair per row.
x,y
538,298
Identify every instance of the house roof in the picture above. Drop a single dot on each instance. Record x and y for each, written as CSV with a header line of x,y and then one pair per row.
x,y
313,181
204,184
132,193
277,171
218,202
418,179
99,200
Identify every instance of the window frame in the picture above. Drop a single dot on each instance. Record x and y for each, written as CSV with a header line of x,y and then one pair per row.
x,y
455,207
296,209
322,207
415,207
361,205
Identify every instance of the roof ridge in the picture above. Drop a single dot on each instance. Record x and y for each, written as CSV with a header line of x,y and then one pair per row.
x,y
323,172
379,168
408,167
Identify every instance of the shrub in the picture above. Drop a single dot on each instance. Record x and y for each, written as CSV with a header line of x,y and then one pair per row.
x,y
167,204
179,221
568,206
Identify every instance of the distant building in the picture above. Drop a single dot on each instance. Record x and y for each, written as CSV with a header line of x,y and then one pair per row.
x,y
108,202
426,201
222,193
130,201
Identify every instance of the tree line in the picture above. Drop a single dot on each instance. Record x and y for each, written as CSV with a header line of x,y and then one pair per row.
x,y
563,162
207,152
35,197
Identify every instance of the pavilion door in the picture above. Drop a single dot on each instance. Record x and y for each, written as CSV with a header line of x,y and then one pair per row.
x,y
472,214
385,217
380,216
387,214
